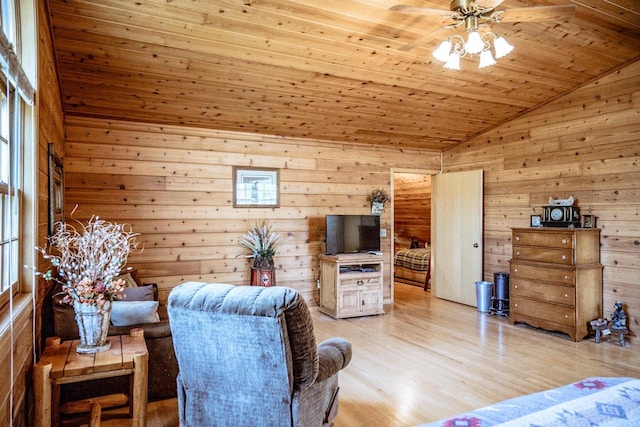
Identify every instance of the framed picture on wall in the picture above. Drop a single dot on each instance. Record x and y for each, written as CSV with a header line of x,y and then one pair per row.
x,y
56,188
256,187
588,221
536,221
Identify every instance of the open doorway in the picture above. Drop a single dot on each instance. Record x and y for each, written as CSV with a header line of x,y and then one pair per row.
x,y
411,243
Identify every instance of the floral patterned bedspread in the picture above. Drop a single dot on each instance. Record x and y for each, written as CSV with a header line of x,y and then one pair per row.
x,y
610,402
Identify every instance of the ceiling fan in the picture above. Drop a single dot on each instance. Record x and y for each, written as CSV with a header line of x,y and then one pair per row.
x,y
474,14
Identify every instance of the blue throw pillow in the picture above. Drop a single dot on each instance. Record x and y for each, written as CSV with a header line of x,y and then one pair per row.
x,y
127,313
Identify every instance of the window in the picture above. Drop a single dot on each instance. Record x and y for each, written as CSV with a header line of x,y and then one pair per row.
x,y
10,189
16,140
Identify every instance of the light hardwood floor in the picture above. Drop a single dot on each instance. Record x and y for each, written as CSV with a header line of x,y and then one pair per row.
x,y
427,359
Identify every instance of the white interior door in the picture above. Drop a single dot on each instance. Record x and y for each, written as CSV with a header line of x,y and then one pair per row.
x,y
456,235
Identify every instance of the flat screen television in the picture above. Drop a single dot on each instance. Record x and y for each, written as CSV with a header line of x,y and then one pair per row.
x,y
352,233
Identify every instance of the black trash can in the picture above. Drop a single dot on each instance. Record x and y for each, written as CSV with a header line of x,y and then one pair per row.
x,y
500,298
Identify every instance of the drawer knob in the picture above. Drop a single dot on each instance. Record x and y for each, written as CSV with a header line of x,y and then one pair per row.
x,y
566,277
564,241
359,283
517,253
517,238
515,286
566,295
564,257
515,305
566,316
515,270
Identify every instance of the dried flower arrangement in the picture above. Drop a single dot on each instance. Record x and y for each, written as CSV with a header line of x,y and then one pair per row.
x,y
380,196
88,261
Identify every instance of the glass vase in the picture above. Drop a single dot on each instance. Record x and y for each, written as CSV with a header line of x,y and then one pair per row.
x,y
93,326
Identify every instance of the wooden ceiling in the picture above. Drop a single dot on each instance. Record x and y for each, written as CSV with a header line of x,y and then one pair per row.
x,y
323,69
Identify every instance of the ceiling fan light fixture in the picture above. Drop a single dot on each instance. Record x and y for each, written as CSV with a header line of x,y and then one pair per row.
x,y
474,43
502,47
442,52
475,14
453,63
486,59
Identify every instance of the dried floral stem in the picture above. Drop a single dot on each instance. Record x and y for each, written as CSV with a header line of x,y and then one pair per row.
x,y
379,195
88,261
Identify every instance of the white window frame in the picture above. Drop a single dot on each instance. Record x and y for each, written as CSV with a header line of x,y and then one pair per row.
x,y
18,151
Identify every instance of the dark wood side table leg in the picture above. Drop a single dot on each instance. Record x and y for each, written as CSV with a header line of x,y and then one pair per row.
x,y
55,405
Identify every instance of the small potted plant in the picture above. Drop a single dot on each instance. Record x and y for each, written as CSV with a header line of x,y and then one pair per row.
x,y
262,241
378,198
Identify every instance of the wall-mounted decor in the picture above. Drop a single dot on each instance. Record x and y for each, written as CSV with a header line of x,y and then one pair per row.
x,y
378,198
56,188
588,221
536,220
256,187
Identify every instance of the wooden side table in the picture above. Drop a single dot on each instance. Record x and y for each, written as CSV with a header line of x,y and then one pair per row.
x,y
61,364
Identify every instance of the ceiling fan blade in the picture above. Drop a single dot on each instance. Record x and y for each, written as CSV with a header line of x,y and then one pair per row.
x,y
417,42
539,13
417,10
489,4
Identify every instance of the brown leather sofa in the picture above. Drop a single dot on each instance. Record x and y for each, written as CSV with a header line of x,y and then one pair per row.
x,y
163,367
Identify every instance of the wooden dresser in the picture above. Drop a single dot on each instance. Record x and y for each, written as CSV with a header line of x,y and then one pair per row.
x,y
351,285
556,279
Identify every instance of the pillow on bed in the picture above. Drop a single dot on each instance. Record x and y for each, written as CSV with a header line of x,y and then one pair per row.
x,y
127,313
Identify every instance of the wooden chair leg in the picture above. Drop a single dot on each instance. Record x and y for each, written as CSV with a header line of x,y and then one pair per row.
x,y
96,412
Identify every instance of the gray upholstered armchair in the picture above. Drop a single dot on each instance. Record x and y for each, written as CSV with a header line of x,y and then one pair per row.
x,y
247,356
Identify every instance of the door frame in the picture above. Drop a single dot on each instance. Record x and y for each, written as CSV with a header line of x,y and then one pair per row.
x,y
394,171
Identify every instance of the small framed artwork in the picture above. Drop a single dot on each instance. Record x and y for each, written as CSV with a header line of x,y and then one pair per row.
x,y
536,220
256,187
588,221
56,188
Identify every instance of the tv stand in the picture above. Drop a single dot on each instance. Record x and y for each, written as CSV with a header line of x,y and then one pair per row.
x,y
351,285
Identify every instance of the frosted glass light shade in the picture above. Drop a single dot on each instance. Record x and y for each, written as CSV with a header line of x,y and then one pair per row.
x,y
474,44
502,47
486,59
442,52
453,63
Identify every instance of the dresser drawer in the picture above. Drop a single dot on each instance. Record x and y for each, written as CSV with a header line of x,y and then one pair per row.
x,y
541,310
546,292
544,238
543,273
359,282
556,256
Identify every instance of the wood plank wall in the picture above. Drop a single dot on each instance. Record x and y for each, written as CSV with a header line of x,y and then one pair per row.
x,y
585,145
50,130
173,185
412,208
